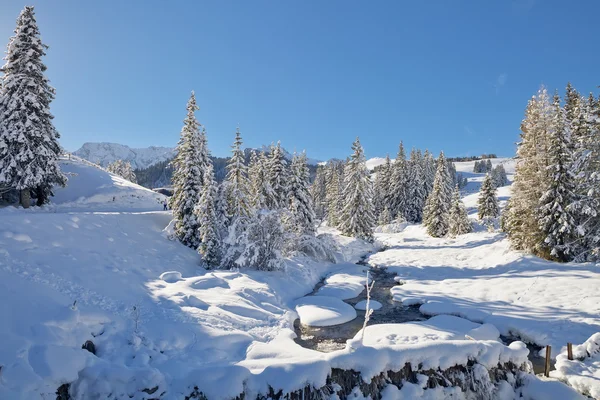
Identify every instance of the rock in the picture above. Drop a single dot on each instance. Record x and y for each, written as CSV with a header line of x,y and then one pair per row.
x,y
89,346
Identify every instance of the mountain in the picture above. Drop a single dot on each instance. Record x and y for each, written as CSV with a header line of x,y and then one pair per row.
x,y
106,153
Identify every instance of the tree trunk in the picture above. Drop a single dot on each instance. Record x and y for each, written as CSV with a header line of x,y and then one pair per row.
x,y
25,198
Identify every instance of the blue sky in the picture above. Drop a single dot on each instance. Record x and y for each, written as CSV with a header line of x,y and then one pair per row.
x,y
444,75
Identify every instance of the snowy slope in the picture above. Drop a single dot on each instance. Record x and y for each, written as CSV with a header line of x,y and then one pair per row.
x,y
106,153
91,188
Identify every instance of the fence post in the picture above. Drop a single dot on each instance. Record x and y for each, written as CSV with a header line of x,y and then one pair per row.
x,y
570,351
547,366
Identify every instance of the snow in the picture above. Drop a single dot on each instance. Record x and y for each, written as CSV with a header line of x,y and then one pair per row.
x,y
373,305
442,327
324,311
89,268
583,372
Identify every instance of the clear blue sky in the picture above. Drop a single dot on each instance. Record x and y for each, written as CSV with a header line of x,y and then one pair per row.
x,y
445,75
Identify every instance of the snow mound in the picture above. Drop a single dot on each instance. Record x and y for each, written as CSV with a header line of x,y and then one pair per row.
x,y
341,290
484,332
324,311
373,305
583,372
443,327
171,276
91,188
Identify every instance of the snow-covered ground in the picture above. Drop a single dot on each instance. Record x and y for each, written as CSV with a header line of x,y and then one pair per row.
x,y
90,268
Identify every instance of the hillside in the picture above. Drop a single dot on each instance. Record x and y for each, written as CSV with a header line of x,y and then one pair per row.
x,y
106,153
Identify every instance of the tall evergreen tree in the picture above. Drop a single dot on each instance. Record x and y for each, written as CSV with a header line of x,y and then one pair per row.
x,y
278,178
416,188
188,180
437,207
458,220
556,222
300,201
29,148
487,204
122,169
381,195
238,192
318,191
398,184
530,178
357,217
206,215
429,169
499,176
333,195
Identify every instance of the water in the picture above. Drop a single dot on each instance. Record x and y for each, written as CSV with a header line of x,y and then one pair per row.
x,y
331,338
538,362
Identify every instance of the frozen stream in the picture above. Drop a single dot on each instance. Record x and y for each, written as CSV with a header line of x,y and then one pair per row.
x,y
331,338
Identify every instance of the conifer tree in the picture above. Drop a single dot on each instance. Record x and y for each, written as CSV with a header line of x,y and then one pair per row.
x,y
499,176
188,181
333,195
122,169
487,204
277,174
318,191
385,217
29,148
206,215
300,201
458,220
238,192
429,168
381,195
555,219
437,207
415,188
258,180
398,185
521,221
356,218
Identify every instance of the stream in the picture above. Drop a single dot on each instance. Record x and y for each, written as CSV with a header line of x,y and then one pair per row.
x,y
332,338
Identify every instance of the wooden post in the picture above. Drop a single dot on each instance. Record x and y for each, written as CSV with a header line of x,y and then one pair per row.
x,y
570,351
547,366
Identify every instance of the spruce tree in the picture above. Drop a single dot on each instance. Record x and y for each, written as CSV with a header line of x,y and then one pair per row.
x,y
556,222
257,175
29,148
277,174
300,201
436,210
458,220
521,222
487,203
415,188
188,177
381,193
333,195
318,191
429,168
206,215
499,176
356,218
398,185
122,169
238,191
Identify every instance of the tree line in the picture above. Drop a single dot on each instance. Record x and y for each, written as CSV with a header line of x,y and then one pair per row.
x,y
553,212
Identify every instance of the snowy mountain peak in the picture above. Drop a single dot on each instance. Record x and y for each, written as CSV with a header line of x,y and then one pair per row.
x,y
106,153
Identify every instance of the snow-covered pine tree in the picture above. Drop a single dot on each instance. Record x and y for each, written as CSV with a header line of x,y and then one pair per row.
x,y
300,201
415,188
318,191
122,169
487,203
398,185
277,174
556,222
188,177
29,148
429,168
521,222
356,217
488,166
499,176
381,193
238,191
385,217
435,214
206,215
333,195
458,220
